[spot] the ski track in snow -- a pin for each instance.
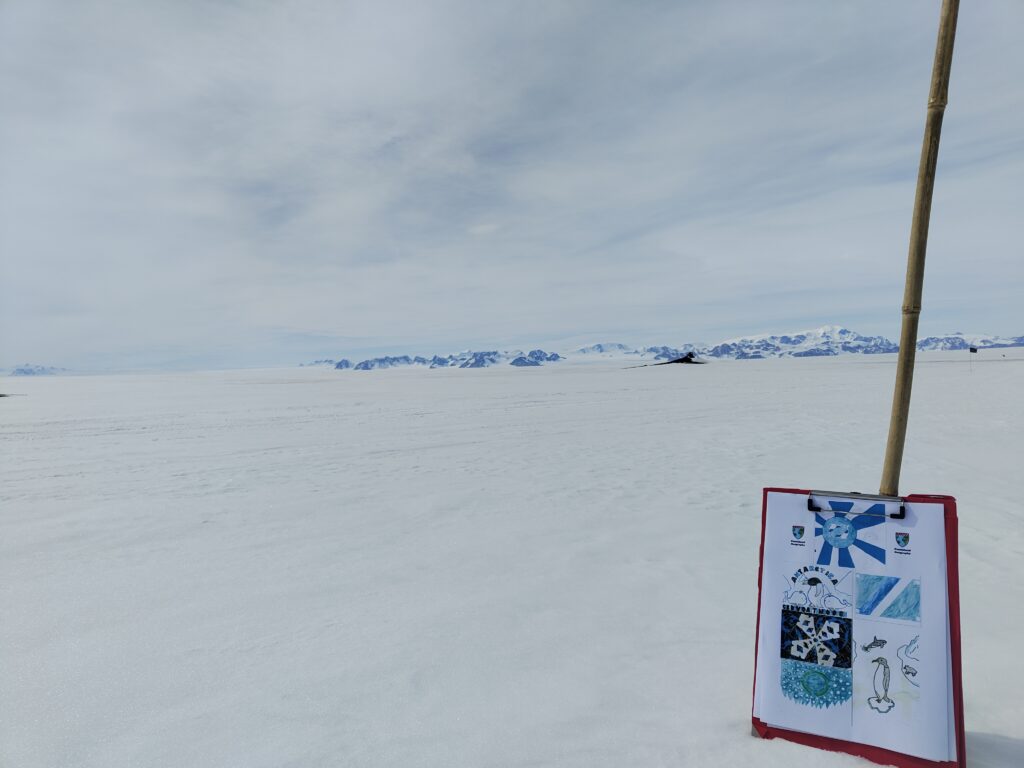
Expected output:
(497, 567)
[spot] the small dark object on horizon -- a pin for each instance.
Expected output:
(689, 358)
(974, 350)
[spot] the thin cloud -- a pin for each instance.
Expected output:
(262, 183)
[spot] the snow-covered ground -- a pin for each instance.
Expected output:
(499, 567)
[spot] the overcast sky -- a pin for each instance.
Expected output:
(190, 184)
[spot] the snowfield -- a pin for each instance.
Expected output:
(501, 567)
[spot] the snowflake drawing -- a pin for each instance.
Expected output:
(839, 533)
(823, 638)
(816, 658)
(815, 641)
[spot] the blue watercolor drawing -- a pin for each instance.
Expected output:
(907, 605)
(889, 597)
(872, 590)
(814, 685)
(839, 533)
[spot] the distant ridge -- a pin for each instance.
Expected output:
(958, 340)
(467, 359)
(27, 369)
(827, 341)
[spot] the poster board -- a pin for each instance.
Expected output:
(858, 628)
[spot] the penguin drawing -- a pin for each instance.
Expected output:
(881, 702)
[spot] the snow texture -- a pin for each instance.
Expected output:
(458, 567)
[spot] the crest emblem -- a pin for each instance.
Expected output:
(798, 531)
(902, 538)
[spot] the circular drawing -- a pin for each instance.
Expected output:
(815, 686)
(840, 532)
(815, 683)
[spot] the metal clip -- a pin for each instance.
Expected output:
(900, 515)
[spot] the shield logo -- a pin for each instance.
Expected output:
(798, 531)
(902, 539)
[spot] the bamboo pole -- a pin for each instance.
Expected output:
(918, 244)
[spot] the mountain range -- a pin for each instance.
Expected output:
(468, 359)
(957, 341)
(28, 369)
(826, 341)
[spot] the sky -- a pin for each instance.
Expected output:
(218, 184)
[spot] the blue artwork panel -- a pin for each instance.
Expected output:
(839, 534)
(816, 637)
(872, 590)
(816, 686)
(889, 597)
(907, 605)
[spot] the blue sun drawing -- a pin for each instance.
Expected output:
(839, 532)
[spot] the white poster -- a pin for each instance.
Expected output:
(853, 640)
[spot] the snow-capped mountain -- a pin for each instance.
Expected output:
(668, 353)
(389, 362)
(827, 341)
(957, 341)
(28, 369)
(536, 357)
(820, 342)
(605, 349)
(467, 359)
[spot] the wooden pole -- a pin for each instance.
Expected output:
(918, 244)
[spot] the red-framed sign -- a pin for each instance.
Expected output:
(858, 626)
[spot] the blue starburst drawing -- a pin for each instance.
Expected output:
(839, 532)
